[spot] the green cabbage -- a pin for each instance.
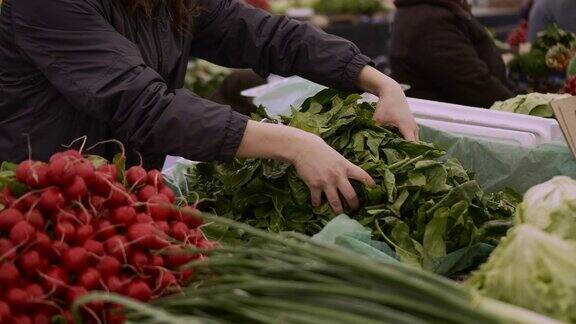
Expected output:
(551, 206)
(532, 269)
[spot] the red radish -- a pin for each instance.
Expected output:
(156, 261)
(72, 154)
(101, 185)
(159, 206)
(56, 156)
(167, 279)
(118, 195)
(97, 202)
(138, 259)
(105, 229)
(163, 226)
(139, 290)
(7, 250)
(10, 217)
(205, 245)
(192, 217)
(108, 266)
(43, 242)
(74, 293)
(61, 171)
(65, 231)
(17, 298)
(76, 190)
(38, 176)
(179, 231)
(147, 192)
(89, 279)
(114, 284)
(35, 219)
(55, 279)
(186, 275)
(41, 319)
(5, 312)
(144, 218)
(31, 263)
(83, 233)
(52, 199)
(8, 274)
(22, 232)
(136, 175)
(67, 215)
(59, 247)
(176, 256)
(117, 247)
(124, 215)
(25, 202)
(22, 319)
(75, 259)
(84, 216)
(169, 194)
(23, 170)
(94, 247)
(155, 179)
(35, 291)
(146, 236)
(85, 170)
(67, 315)
(110, 171)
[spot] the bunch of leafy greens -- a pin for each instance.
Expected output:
(534, 266)
(533, 269)
(535, 104)
(422, 206)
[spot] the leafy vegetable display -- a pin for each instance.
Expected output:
(78, 224)
(423, 206)
(535, 104)
(534, 265)
(289, 278)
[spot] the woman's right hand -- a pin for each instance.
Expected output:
(322, 168)
(326, 171)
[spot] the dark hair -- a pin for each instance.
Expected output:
(181, 11)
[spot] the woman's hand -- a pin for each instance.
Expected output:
(319, 165)
(326, 171)
(392, 108)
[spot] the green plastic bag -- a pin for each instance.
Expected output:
(349, 234)
(498, 166)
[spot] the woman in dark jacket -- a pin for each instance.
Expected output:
(115, 68)
(445, 54)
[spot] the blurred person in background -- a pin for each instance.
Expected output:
(443, 52)
(547, 12)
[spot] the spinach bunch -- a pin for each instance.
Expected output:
(423, 206)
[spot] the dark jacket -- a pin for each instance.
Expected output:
(445, 54)
(70, 68)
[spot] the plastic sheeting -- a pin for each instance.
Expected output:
(497, 166)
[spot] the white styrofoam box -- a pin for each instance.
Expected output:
(542, 130)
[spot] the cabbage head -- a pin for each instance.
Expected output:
(551, 206)
(532, 269)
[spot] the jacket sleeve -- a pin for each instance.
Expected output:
(450, 61)
(236, 35)
(103, 75)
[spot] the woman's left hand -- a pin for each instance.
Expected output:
(392, 108)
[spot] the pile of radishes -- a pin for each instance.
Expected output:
(79, 228)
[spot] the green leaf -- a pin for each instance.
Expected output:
(119, 162)
(434, 238)
(97, 161)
